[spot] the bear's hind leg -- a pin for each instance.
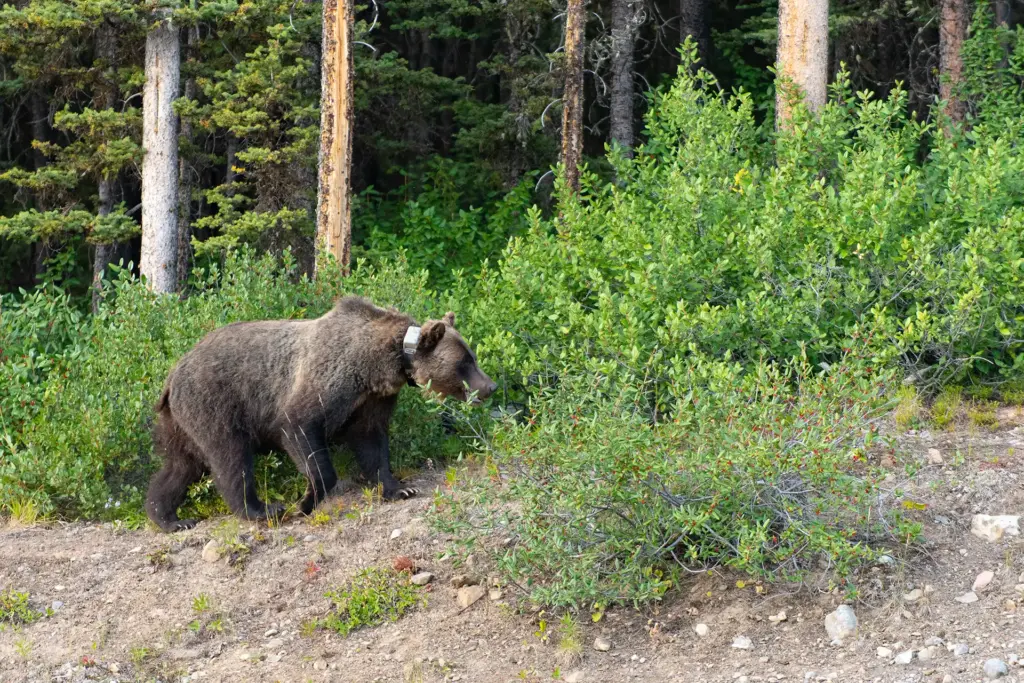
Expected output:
(307, 448)
(233, 474)
(168, 488)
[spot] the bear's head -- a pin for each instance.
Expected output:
(443, 359)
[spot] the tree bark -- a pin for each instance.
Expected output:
(802, 55)
(106, 96)
(185, 174)
(955, 18)
(625, 20)
(40, 131)
(693, 21)
(334, 206)
(159, 258)
(572, 95)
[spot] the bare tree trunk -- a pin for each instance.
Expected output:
(185, 175)
(802, 55)
(106, 96)
(953, 25)
(693, 21)
(625, 20)
(334, 206)
(159, 259)
(40, 131)
(572, 96)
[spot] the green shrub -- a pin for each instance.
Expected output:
(763, 471)
(15, 609)
(375, 595)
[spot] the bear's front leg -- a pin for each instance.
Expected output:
(370, 446)
(307, 448)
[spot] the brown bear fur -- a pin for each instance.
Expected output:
(297, 385)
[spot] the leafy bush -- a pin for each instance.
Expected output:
(375, 595)
(15, 609)
(84, 448)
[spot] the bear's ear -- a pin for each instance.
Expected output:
(430, 335)
(449, 318)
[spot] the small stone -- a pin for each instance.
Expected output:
(421, 579)
(56, 605)
(961, 650)
(702, 630)
(113, 668)
(993, 527)
(933, 641)
(494, 594)
(602, 644)
(995, 668)
(320, 665)
(136, 549)
(574, 677)
(982, 581)
(275, 644)
(934, 456)
(886, 560)
(244, 656)
(742, 643)
(914, 595)
(270, 632)
(948, 678)
(468, 595)
(1009, 605)
(777, 618)
(212, 551)
(841, 624)
(968, 598)
(395, 534)
(58, 588)
(275, 658)
(883, 652)
(927, 654)
(309, 538)
(460, 580)
(1013, 659)
(905, 657)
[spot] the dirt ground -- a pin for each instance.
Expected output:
(124, 600)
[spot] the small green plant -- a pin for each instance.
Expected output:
(375, 595)
(201, 603)
(908, 409)
(139, 654)
(946, 406)
(320, 517)
(23, 647)
(24, 513)
(160, 558)
(570, 641)
(983, 414)
(15, 609)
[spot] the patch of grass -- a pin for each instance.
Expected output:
(374, 596)
(908, 411)
(139, 654)
(24, 513)
(983, 414)
(320, 517)
(570, 641)
(160, 558)
(23, 647)
(946, 406)
(201, 603)
(15, 610)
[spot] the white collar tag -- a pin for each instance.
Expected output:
(412, 338)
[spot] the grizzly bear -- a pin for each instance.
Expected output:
(298, 385)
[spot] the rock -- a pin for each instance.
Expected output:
(602, 644)
(905, 657)
(995, 668)
(58, 588)
(212, 551)
(886, 560)
(742, 643)
(927, 654)
(468, 595)
(968, 598)
(993, 527)
(245, 655)
(934, 456)
(883, 653)
(777, 618)
(982, 581)
(395, 534)
(841, 624)
(460, 580)
(702, 630)
(914, 595)
(275, 644)
(948, 678)
(56, 605)
(574, 677)
(275, 658)
(1013, 659)
(421, 579)
(309, 538)
(270, 632)
(320, 665)
(961, 650)
(933, 641)
(1009, 605)
(494, 594)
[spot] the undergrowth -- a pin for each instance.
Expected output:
(374, 596)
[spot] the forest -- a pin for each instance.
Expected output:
(698, 286)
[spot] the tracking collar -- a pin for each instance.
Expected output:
(412, 338)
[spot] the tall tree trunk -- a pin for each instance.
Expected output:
(185, 173)
(802, 55)
(40, 126)
(106, 97)
(572, 95)
(159, 259)
(693, 21)
(625, 19)
(953, 25)
(334, 206)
